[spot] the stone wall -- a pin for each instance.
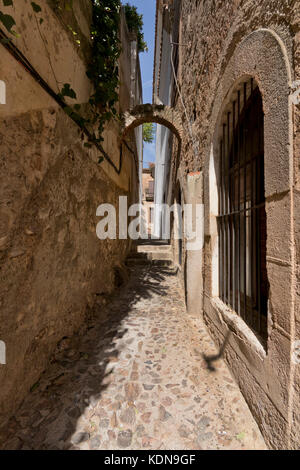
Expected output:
(52, 265)
(220, 43)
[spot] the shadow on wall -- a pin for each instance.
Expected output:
(78, 375)
(215, 357)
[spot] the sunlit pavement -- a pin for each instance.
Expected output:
(136, 380)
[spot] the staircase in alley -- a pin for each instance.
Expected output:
(157, 253)
(137, 379)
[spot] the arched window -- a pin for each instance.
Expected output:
(243, 282)
(2, 92)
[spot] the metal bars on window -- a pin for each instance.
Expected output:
(243, 283)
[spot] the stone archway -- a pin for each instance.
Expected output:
(263, 57)
(160, 114)
(164, 115)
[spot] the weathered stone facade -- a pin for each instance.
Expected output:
(160, 114)
(219, 46)
(53, 267)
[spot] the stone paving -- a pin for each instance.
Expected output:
(136, 380)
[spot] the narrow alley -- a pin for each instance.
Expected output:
(149, 226)
(137, 380)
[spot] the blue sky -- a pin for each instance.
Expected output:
(147, 9)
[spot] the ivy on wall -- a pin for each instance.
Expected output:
(7, 20)
(135, 24)
(102, 69)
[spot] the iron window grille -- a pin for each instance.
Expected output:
(243, 282)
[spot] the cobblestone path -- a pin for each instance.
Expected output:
(136, 380)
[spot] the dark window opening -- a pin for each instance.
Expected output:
(243, 282)
(180, 234)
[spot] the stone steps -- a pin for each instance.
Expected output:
(130, 262)
(153, 248)
(155, 255)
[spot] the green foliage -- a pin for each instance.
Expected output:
(62, 5)
(135, 24)
(68, 91)
(36, 8)
(7, 20)
(149, 132)
(69, 5)
(103, 69)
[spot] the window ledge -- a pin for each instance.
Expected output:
(237, 325)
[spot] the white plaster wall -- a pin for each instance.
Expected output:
(163, 148)
(139, 145)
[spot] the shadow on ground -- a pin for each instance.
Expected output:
(77, 375)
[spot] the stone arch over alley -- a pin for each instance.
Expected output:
(167, 118)
(184, 336)
(160, 114)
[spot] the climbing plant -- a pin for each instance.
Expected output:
(102, 69)
(135, 24)
(7, 20)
